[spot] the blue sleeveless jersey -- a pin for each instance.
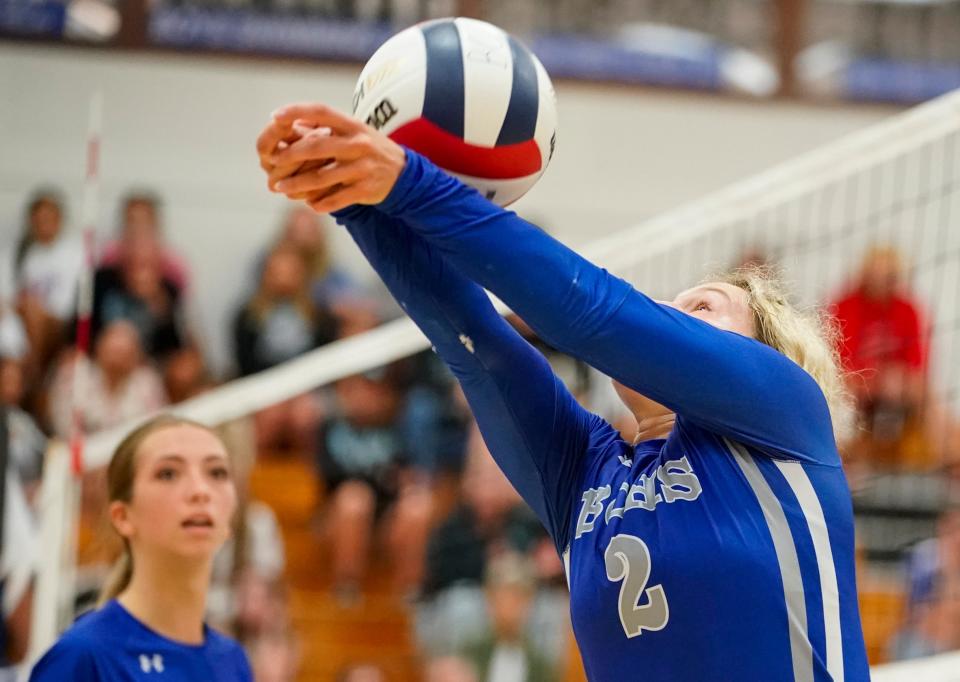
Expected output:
(110, 645)
(725, 552)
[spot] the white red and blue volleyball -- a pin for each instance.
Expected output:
(468, 96)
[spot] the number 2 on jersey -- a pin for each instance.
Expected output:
(628, 559)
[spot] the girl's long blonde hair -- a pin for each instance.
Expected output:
(806, 336)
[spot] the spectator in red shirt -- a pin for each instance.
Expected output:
(883, 344)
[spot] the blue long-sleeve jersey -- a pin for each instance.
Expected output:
(110, 645)
(724, 552)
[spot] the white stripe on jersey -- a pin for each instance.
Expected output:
(801, 651)
(566, 564)
(813, 513)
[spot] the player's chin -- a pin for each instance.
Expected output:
(199, 545)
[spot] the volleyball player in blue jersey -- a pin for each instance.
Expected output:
(172, 500)
(718, 545)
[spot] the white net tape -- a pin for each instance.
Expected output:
(943, 668)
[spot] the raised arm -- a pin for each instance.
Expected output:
(727, 383)
(724, 381)
(534, 428)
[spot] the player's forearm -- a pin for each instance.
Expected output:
(721, 379)
(564, 297)
(448, 308)
(510, 386)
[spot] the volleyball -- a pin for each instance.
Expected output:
(467, 95)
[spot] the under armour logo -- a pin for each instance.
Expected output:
(150, 664)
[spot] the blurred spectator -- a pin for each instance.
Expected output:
(436, 417)
(490, 518)
(362, 458)
(936, 559)
(275, 657)
(186, 375)
(140, 223)
(362, 672)
(18, 556)
(27, 443)
(260, 604)
(451, 669)
(38, 279)
(883, 345)
(933, 583)
(119, 384)
(935, 628)
(951, 467)
(245, 596)
(13, 337)
(136, 290)
(331, 287)
(280, 321)
(504, 654)
(277, 324)
(549, 629)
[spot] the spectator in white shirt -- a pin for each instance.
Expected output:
(120, 385)
(39, 276)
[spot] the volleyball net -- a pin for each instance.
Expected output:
(896, 184)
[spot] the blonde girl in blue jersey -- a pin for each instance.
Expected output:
(171, 500)
(718, 545)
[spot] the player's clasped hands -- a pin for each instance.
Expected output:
(314, 153)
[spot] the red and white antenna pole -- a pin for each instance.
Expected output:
(91, 196)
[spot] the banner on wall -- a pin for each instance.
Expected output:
(639, 53)
(303, 36)
(79, 20)
(33, 18)
(646, 54)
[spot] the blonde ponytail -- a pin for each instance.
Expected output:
(119, 579)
